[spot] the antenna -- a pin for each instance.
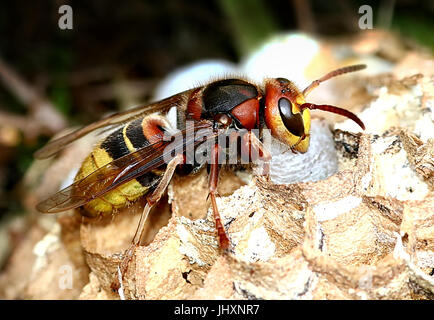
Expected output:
(333, 109)
(333, 74)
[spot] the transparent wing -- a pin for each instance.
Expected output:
(124, 169)
(112, 121)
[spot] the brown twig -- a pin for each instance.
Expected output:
(137, 89)
(30, 128)
(40, 108)
(305, 20)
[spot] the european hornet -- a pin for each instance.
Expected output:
(129, 162)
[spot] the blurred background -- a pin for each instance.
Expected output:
(118, 52)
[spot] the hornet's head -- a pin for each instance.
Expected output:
(287, 114)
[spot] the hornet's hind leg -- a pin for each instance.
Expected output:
(152, 199)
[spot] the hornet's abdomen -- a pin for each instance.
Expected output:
(122, 141)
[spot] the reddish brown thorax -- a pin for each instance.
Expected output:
(247, 113)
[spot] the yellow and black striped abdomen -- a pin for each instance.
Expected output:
(123, 141)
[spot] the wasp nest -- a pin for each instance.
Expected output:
(363, 228)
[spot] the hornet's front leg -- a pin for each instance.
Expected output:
(254, 148)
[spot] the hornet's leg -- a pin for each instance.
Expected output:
(212, 186)
(254, 147)
(155, 196)
(151, 201)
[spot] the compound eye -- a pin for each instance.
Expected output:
(292, 121)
